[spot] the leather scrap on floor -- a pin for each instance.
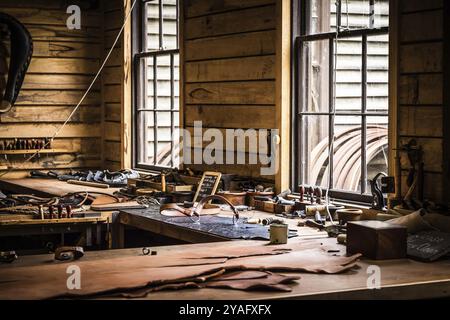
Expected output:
(169, 271)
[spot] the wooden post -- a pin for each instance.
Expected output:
(126, 111)
(283, 92)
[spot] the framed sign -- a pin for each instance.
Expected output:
(208, 185)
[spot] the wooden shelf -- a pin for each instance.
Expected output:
(31, 151)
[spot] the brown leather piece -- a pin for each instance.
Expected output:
(237, 280)
(253, 280)
(126, 274)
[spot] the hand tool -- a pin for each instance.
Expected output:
(268, 221)
(60, 212)
(318, 194)
(301, 190)
(69, 211)
(378, 202)
(69, 253)
(310, 191)
(7, 256)
(147, 252)
(253, 221)
(89, 184)
(41, 212)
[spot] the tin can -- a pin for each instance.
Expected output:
(278, 233)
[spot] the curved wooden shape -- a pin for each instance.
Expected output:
(347, 155)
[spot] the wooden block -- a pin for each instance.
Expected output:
(259, 205)
(283, 208)
(376, 240)
(269, 206)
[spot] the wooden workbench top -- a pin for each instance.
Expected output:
(47, 187)
(400, 279)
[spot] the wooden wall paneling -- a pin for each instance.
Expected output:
(63, 64)
(236, 45)
(197, 8)
(229, 72)
(253, 92)
(246, 20)
(248, 68)
(231, 116)
(113, 85)
(421, 90)
(446, 111)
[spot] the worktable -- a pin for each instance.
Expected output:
(143, 220)
(11, 225)
(400, 279)
(46, 187)
(14, 225)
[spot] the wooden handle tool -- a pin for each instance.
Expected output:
(89, 184)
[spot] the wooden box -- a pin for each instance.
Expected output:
(269, 206)
(284, 208)
(376, 240)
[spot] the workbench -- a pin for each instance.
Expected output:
(400, 279)
(91, 228)
(46, 187)
(143, 220)
(21, 225)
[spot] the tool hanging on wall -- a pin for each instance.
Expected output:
(415, 179)
(25, 144)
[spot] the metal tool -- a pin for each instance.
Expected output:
(8, 256)
(69, 253)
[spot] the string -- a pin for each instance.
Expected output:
(127, 17)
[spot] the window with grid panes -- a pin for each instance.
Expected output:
(342, 60)
(156, 75)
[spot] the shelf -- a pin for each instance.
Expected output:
(32, 151)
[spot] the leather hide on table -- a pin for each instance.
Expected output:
(137, 275)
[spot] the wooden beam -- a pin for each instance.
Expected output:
(283, 93)
(446, 111)
(127, 105)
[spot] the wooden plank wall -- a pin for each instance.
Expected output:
(420, 90)
(229, 60)
(112, 86)
(63, 64)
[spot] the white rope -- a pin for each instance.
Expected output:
(127, 17)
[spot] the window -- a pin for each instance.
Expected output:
(342, 53)
(156, 85)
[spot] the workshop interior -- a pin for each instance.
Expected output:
(224, 149)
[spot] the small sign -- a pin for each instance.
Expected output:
(208, 185)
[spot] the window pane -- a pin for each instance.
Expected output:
(378, 73)
(158, 124)
(377, 147)
(145, 137)
(354, 14)
(347, 153)
(168, 25)
(349, 74)
(381, 18)
(315, 150)
(316, 91)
